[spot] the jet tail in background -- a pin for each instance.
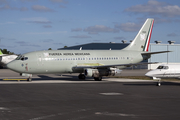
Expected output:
(142, 40)
(1, 54)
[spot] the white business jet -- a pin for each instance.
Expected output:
(165, 71)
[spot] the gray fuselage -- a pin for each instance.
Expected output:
(63, 61)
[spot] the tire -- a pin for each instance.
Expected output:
(98, 78)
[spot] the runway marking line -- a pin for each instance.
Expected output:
(111, 93)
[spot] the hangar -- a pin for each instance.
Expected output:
(172, 57)
(163, 58)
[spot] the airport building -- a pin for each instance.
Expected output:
(172, 57)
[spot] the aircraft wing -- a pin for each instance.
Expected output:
(149, 53)
(108, 66)
(6, 54)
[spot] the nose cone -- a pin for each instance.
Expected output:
(149, 74)
(12, 66)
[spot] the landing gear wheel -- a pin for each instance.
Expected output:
(159, 82)
(98, 78)
(82, 77)
(29, 79)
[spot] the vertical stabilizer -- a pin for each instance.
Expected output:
(142, 39)
(1, 52)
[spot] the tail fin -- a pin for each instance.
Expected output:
(1, 52)
(142, 39)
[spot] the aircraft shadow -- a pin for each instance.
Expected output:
(61, 77)
(153, 83)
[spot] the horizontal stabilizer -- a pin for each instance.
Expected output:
(150, 53)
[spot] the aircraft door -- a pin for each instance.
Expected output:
(39, 59)
(172, 73)
(166, 74)
(86, 59)
(131, 57)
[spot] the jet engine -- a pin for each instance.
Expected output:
(102, 72)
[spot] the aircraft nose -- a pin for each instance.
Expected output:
(11, 65)
(149, 74)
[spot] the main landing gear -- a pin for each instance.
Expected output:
(98, 78)
(82, 76)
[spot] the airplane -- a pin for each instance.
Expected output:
(89, 63)
(5, 58)
(164, 71)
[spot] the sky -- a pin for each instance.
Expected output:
(33, 25)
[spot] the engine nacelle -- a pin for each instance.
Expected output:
(102, 72)
(91, 72)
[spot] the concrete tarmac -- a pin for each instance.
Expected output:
(50, 97)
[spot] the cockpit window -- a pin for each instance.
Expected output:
(163, 67)
(25, 58)
(21, 58)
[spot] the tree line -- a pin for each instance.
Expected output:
(5, 51)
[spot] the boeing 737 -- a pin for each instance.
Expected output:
(89, 63)
(164, 71)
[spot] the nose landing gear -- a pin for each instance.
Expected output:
(29, 79)
(27, 75)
